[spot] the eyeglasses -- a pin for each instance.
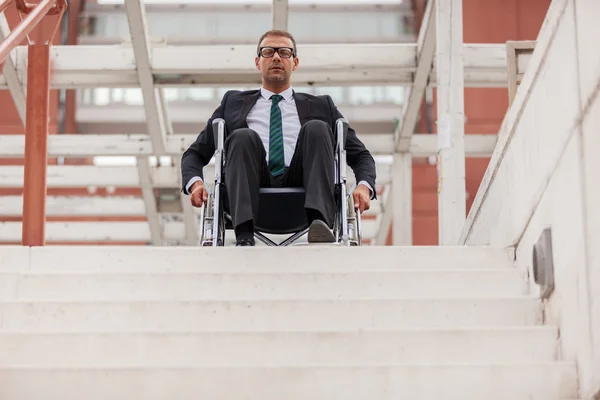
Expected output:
(268, 52)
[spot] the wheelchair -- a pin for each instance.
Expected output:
(281, 210)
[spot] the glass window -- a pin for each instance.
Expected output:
(134, 97)
(239, 25)
(361, 95)
(304, 89)
(118, 95)
(395, 94)
(198, 94)
(101, 96)
(336, 93)
(85, 96)
(172, 94)
(112, 25)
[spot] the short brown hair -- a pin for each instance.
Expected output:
(276, 32)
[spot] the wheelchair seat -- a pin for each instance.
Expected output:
(281, 211)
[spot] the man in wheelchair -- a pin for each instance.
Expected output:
(280, 161)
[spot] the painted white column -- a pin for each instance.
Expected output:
(280, 14)
(450, 120)
(402, 195)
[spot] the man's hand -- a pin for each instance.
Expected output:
(362, 198)
(199, 194)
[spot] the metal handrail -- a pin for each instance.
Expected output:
(35, 13)
(4, 4)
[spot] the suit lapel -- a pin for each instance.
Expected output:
(303, 107)
(247, 105)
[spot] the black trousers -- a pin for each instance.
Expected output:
(311, 167)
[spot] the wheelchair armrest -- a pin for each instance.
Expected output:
(341, 132)
(218, 126)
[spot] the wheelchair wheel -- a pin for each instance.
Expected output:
(354, 223)
(212, 228)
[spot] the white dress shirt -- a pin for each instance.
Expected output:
(259, 119)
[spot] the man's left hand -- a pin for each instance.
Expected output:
(362, 198)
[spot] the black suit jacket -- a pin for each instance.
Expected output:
(234, 109)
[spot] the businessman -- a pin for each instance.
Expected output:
(276, 137)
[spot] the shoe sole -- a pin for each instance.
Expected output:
(320, 233)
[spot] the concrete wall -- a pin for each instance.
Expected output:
(544, 174)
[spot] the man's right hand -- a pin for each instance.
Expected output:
(199, 194)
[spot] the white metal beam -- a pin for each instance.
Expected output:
(189, 216)
(425, 52)
(89, 206)
(110, 206)
(136, 15)
(386, 217)
(330, 65)
(450, 121)
(401, 188)
(173, 231)
(165, 176)
(396, 211)
(145, 177)
(167, 122)
(422, 145)
(279, 14)
(11, 77)
(198, 112)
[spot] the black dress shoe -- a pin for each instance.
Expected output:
(319, 232)
(245, 242)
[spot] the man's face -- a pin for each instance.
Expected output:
(276, 69)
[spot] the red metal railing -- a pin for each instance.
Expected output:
(35, 13)
(37, 110)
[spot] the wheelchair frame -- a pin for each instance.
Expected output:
(347, 227)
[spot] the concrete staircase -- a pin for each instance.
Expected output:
(298, 323)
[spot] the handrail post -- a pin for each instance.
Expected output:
(4, 4)
(37, 111)
(36, 147)
(35, 15)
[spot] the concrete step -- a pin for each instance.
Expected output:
(178, 316)
(197, 259)
(276, 348)
(541, 381)
(284, 285)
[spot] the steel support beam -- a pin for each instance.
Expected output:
(108, 207)
(426, 52)
(173, 231)
(450, 121)
(386, 217)
(165, 176)
(155, 110)
(145, 176)
(279, 14)
(402, 194)
(218, 65)
(422, 145)
(36, 146)
(138, 28)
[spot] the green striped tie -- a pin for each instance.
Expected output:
(276, 155)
